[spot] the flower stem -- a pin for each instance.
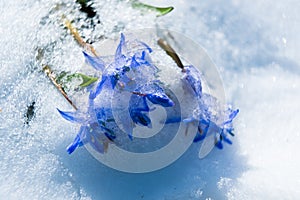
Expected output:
(78, 38)
(171, 52)
(49, 73)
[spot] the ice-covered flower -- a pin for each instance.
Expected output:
(221, 130)
(130, 70)
(211, 119)
(138, 106)
(193, 79)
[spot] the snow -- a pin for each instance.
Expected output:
(255, 46)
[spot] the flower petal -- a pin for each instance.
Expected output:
(219, 144)
(77, 141)
(71, 148)
(75, 117)
(134, 63)
(228, 141)
(114, 80)
(161, 99)
(140, 118)
(202, 132)
(194, 80)
(189, 120)
(138, 103)
(111, 137)
(130, 136)
(145, 45)
(96, 92)
(175, 119)
(232, 115)
(119, 57)
(95, 62)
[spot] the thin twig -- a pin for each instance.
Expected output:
(171, 52)
(78, 38)
(48, 72)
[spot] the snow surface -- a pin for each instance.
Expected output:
(255, 45)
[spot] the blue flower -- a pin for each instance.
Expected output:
(221, 131)
(138, 110)
(193, 79)
(208, 122)
(95, 62)
(138, 106)
(131, 70)
(159, 97)
(128, 70)
(75, 117)
(77, 141)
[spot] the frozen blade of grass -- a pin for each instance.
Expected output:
(171, 52)
(78, 38)
(48, 72)
(65, 78)
(159, 10)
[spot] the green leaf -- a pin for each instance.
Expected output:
(60, 78)
(64, 78)
(87, 80)
(159, 10)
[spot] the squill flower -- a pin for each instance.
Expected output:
(216, 122)
(128, 71)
